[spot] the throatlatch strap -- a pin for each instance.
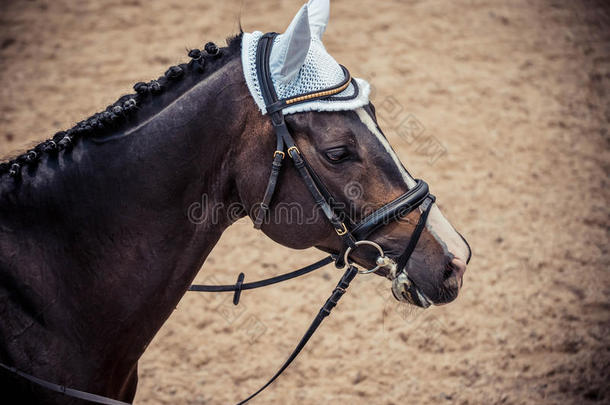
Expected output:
(278, 158)
(330, 303)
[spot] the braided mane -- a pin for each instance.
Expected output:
(122, 111)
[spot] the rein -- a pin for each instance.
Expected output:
(352, 236)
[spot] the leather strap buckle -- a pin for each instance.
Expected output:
(341, 231)
(280, 153)
(294, 148)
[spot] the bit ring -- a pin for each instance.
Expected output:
(381, 262)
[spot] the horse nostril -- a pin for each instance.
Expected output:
(453, 279)
(449, 271)
(458, 269)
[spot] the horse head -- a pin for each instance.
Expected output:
(300, 89)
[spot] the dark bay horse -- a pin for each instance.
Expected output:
(96, 244)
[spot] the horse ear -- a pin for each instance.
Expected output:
(319, 12)
(289, 53)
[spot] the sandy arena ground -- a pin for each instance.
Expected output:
(508, 111)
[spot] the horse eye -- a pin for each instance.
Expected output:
(336, 155)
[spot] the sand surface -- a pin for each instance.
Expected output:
(515, 94)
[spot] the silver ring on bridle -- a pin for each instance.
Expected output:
(382, 260)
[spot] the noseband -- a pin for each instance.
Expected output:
(352, 236)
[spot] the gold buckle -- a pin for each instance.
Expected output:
(295, 149)
(279, 152)
(342, 231)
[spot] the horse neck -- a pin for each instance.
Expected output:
(104, 244)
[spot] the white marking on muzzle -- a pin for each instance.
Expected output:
(370, 124)
(437, 224)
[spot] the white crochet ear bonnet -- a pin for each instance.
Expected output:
(299, 64)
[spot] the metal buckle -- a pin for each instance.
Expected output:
(341, 231)
(382, 261)
(295, 149)
(279, 152)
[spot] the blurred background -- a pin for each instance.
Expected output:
(502, 107)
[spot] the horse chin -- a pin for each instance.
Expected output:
(445, 294)
(424, 294)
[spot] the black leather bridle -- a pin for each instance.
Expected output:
(418, 196)
(352, 236)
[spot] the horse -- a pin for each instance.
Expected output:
(97, 246)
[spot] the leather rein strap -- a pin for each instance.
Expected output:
(330, 303)
(239, 286)
(98, 399)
